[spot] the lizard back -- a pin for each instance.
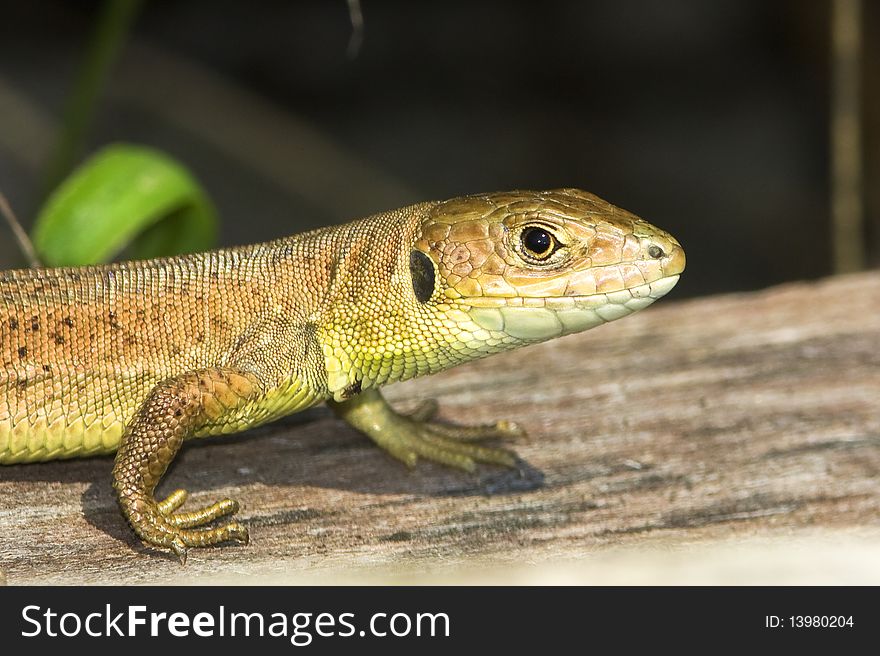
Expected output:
(81, 347)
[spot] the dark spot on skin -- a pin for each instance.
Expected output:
(22, 384)
(35, 324)
(22, 352)
(240, 341)
(352, 390)
(67, 321)
(13, 324)
(73, 276)
(178, 412)
(112, 317)
(200, 337)
(214, 275)
(47, 368)
(422, 269)
(330, 268)
(59, 339)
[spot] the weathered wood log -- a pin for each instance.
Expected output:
(717, 419)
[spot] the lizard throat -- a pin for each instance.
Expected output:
(538, 319)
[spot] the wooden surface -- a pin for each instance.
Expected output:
(717, 431)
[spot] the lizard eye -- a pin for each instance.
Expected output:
(655, 251)
(538, 243)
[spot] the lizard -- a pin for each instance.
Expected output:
(136, 357)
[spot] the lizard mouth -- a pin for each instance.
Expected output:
(540, 318)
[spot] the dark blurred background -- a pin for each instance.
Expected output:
(709, 118)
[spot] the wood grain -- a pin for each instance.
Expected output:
(752, 417)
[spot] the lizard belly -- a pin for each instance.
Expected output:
(94, 424)
(54, 417)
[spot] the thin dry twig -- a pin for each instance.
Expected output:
(357, 28)
(24, 242)
(847, 167)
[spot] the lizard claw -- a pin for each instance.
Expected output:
(180, 550)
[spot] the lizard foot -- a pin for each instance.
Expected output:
(448, 445)
(413, 436)
(159, 525)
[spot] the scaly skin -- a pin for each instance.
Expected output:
(136, 357)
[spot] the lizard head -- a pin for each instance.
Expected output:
(529, 266)
(483, 274)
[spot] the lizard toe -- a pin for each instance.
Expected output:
(203, 516)
(173, 501)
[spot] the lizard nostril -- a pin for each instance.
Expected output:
(655, 251)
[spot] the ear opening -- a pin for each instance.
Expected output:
(423, 276)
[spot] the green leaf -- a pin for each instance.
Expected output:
(124, 197)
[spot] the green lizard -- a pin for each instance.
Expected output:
(136, 357)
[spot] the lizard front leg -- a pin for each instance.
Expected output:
(409, 437)
(176, 409)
